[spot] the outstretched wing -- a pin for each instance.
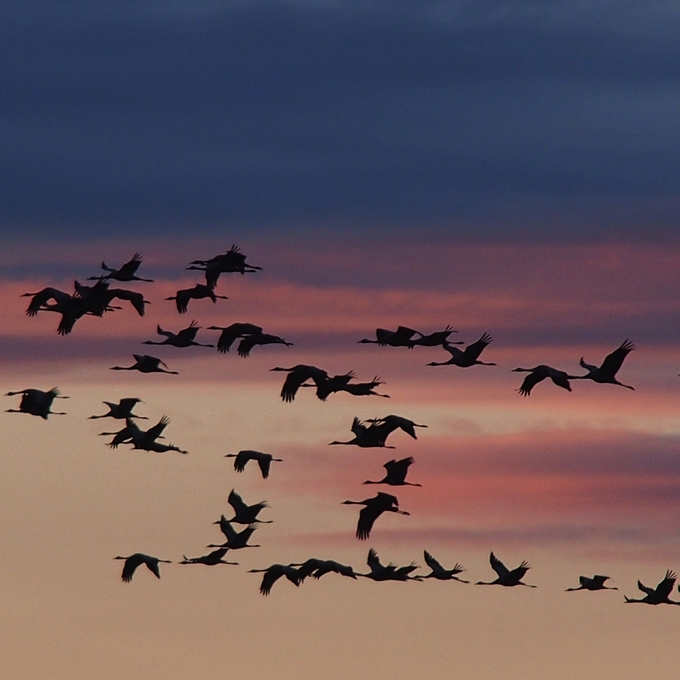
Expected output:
(612, 362)
(431, 562)
(476, 348)
(498, 566)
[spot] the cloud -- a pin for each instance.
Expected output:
(152, 116)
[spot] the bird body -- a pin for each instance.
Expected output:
(254, 339)
(215, 557)
(373, 508)
(606, 373)
(660, 594)
(438, 572)
(36, 402)
(199, 292)
(273, 573)
(435, 339)
(539, 373)
(375, 434)
(134, 561)
(126, 273)
(296, 376)
(232, 261)
(467, 357)
(184, 338)
(402, 337)
(235, 539)
(396, 473)
(507, 577)
(264, 460)
(390, 572)
(243, 513)
(145, 363)
(231, 333)
(122, 410)
(596, 582)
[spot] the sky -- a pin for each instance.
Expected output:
(497, 167)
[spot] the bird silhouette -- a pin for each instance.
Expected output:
(231, 333)
(233, 261)
(297, 375)
(123, 435)
(373, 508)
(126, 273)
(215, 557)
(607, 371)
(660, 594)
(121, 410)
(146, 440)
(134, 561)
(396, 473)
(342, 383)
(466, 357)
(184, 338)
(438, 572)
(402, 337)
(390, 572)
(317, 568)
(199, 292)
(36, 402)
(507, 577)
(243, 513)
(375, 435)
(596, 582)
(254, 339)
(144, 363)
(539, 373)
(435, 339)
(235, 539)
(264, 460)
(273, 573)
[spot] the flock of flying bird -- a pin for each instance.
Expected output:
(98, 299)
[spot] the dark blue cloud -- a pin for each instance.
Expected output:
(512, 116)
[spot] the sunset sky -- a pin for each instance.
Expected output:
(508, 168)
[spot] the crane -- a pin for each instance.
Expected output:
(145, 363)
(373, 508)
(539, 373)
(137, 559)
(660, 594)
(507, 577)
(606, 373)
(396, 473)
(596, 582)
(122, 410)
(264, 460)
(466, 357)
(183, 338)
(439, 572)
(36, 402)
(199, 292)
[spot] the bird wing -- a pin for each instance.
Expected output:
(612, 362)
(264, 462)
(398, 469)
(236, 502)
(645, 589)
(367, 517)
(188, 333)
(182, 300)
(299, 375)
(271, 576)
(518, 572)
(152, 565)
(476, 348)
(373, 561)
(530, 382)
(136, 299)
(130, 566)
(156, 431)
(431, 562)
(247, 344)
(498, 566)
(131, 266)
(665, 588)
